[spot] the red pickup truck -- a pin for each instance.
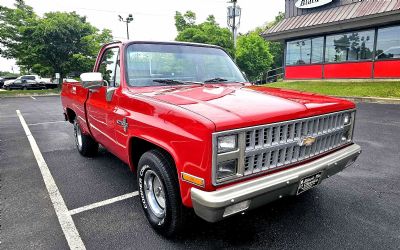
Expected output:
(199, 135)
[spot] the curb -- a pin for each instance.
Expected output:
(371, 99)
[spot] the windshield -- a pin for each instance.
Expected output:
(153, 64)
(28, 77)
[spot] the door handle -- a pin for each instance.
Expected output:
(93, 90)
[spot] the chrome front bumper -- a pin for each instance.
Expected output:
(211, 206)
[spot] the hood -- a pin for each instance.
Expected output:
(235, 106)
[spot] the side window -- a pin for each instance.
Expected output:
(17, 82)
(109, 66)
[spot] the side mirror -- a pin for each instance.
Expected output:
(92, 80)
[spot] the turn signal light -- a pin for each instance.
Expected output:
(193, 179)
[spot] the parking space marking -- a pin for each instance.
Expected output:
(43, 123)
(33, 98)
(103, 203)
(67, 224)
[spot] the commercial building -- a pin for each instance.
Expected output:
(336, 39)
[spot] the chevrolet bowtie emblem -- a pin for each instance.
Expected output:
(307, 141)
(124, 124)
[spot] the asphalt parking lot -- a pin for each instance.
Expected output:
(358, 208)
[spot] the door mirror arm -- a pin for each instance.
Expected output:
(110, 93)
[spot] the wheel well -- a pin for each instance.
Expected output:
(71, 115)
(140, 146)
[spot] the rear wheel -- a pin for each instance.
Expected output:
(24, 88)
(159, 192)
(85, 144)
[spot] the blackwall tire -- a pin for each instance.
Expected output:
(85, 144)
(156, 165)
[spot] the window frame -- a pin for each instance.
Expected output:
(117, 62)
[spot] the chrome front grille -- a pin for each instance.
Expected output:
(276, 145)
(265, 148)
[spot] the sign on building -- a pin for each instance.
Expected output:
(308, 4)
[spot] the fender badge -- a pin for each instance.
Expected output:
(124, 124)
(307, 141)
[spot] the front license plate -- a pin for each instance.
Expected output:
(309, 182)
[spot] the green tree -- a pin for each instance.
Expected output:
(276, 48)
(208, 32)
(252, 55)
(59, 42)
(183, 21)
(14, 32)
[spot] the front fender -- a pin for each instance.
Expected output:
(183, 134)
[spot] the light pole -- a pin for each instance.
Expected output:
(127, 21)
(233, 18)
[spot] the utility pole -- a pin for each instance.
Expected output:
(234, 15)
(127, 21)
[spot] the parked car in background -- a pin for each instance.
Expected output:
(24, 85)
(35, 78)
(5, 79)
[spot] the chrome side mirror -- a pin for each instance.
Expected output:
(92, 80)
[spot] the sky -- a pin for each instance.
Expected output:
(153, 19)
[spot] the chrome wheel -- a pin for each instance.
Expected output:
(154, 192)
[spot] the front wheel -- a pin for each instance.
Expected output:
(85, 144)
(159, 193)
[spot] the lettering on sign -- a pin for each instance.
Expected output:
(308, 4)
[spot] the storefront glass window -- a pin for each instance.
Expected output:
(354, 46)
(388, 45)
(305, 51)
(317, 46)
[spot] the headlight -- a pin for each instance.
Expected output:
(226, 169)
(227, 143)
(346, 136)
(347, 119)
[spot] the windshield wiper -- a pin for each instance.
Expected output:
(217, 79)
(168, 81)
(172, 81)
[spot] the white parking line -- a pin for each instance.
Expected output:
(67, 224)
(103, 203)
(33, 98)
(43, 123)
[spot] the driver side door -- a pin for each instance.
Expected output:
(100, 111)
